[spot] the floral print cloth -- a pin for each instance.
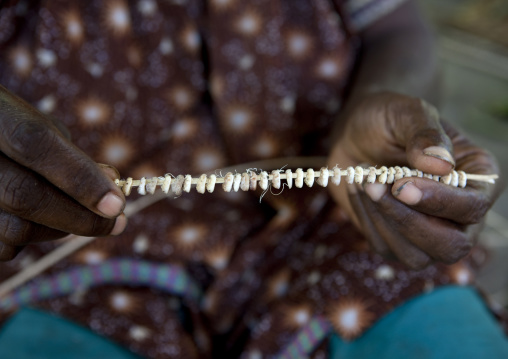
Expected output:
(190, 86)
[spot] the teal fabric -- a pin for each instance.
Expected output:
(450, 322)
(33, 334)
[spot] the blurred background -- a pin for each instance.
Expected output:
(472, 38)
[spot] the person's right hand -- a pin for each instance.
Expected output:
(48, 187)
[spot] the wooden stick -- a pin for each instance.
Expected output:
(358, 174)
(72, 244)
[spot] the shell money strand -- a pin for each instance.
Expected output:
(250, 179)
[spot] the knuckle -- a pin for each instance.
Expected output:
(416, 261)
(406, 220)
(13, 229)
(30, 140)
(96, 226)
(430, 110)
(477, 210)
(7, 252)
(380, 248)
(100, 226)
(403, 104)
(438, 204)
(457, 247)
(18, 197)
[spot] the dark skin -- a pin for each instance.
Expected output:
(49, 188)
(417, 221)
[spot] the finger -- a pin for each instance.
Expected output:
(109, 171)
(417, 128)
(473, 159)
(16, 231)
(27, 195)
(30, 139)
(8, 252)
(461, 205)
(388, 229)
(441, 239)
(60, 126)
(366, 225)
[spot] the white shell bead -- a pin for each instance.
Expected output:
(228, 182)
(263, 181)
(201, 185)
(324, 175)
(141, 187)
(210, 183)
(289, 178)
(152, 185)
(166, 183)
(276, 179)
(299, 178)
(309, 177)
(236, 182)
(336, 176)
(244, 184)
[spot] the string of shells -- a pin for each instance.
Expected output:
(250, 179)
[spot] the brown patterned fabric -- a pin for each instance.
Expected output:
(190, 86)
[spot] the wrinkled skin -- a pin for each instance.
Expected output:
(48, 187)
(416, 220)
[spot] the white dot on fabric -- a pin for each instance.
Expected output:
(249, 23)
(147, 7)
(93, 257)
(120, 301)
(189, 235)
(301, 317)
(166, 46)
(287, 104)
(384, 272)
(328, 68)
(246, 62)
(462, 276)
(47, 104)
(74, 28)
(116, 150)
(191, 39)
(208, 161)
(349, 319)
(254, 354)
(95, 69)
(239, 119)
(141, 244)
(313, 277)
(120, 18)
(21, 60)
(298, 45)
(47, 58)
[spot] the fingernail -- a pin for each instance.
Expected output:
(110, 171)
(375, 191)
(120, 224)
(439, 153)
(351, 188)
(408, 193)
(110, 205)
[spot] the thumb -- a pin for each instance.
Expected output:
(428, 147)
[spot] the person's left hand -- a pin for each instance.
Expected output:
(417, 220)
